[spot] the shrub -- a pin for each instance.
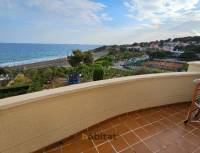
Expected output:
(189, 56)
(159, 54)
(184, 68)
(113, 73)
(30, 73)
(47, 75)
(36, 83)
(59, 71)
(2, 71)
(104, 61)
(20, 79)
(35, 86)
(86, 72)
(98, 74)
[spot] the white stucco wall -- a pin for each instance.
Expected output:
(32, 121)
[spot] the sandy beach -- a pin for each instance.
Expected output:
(56, 62)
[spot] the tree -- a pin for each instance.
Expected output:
(189, 56)
(36, 82)
(47, 75)
(161, 43)
(98, 73)
(193, 48)
(87, 58)
(76, 58)
(2, 71)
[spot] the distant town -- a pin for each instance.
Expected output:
(169, 54)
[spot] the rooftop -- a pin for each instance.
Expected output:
(154, 130)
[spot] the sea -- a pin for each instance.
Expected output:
(13, 54)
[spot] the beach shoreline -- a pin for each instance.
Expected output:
(60, 62)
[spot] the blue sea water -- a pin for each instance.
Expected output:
(12, 54)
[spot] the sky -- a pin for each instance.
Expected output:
(97, 21)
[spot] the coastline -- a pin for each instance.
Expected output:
(59, 62)
(43, 64)
(19, 55)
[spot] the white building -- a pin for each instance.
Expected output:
(139, 48)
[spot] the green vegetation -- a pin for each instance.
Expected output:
(98, 73)
(187, 39)
(146, 70)
(36, 79)
(189, 48)
(105, 61)
(184, 68)
(87, 58)
(75, 59)
(159, 54)
(123, 53)
(194, 48)
(79, 57)
(36, 82)
(13, 91)
(86, 72)
(47, 75)
(189, 56)
(2, 71)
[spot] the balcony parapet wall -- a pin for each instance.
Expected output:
(32, 121)
(194, 66)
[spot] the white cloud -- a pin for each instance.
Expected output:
(82, 21)
(162, 19)
(75, 11)
(158, 11)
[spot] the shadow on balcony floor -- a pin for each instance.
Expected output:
(155, 130)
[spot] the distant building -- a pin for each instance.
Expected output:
(135, 48)
(154, 45)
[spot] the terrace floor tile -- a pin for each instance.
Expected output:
(154, 130)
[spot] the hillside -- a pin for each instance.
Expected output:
(178, 49)
(182, 44)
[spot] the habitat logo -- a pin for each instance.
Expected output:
(98, 136)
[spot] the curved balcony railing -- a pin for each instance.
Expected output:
(32, 121)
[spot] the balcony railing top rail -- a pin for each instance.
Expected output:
(50, 93)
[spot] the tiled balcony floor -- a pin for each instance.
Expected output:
(156, 130)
